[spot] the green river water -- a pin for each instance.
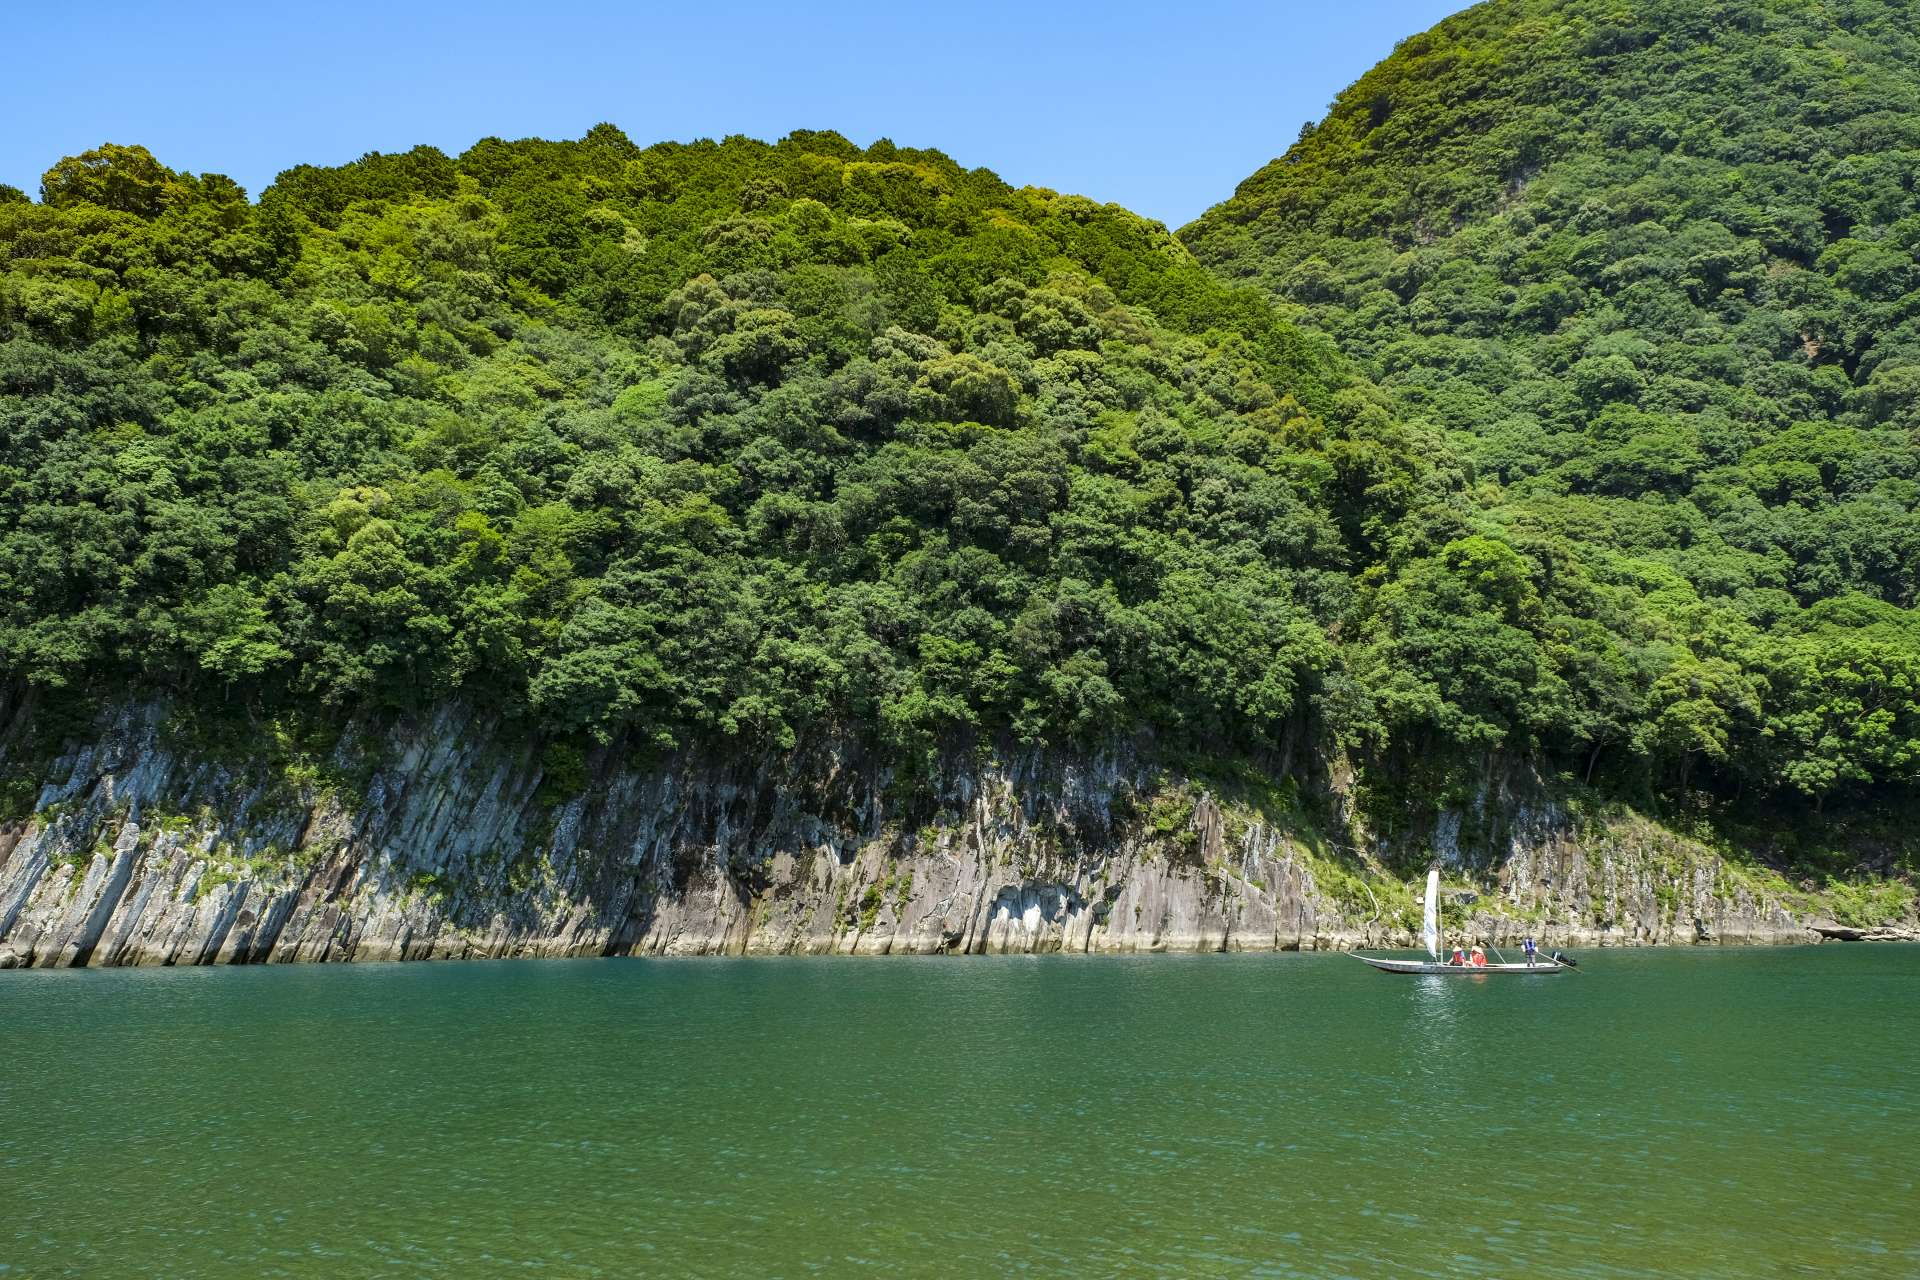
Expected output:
(1697, 1113)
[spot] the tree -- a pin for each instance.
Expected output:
(125, 179)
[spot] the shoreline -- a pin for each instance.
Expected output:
(1825, 934)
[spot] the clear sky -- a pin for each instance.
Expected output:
(1162, 108)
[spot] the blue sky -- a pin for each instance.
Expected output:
(1162, 108)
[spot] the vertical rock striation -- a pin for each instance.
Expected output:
(141, 852)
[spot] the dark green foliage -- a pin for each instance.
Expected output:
(708, 444)
(1653, 271)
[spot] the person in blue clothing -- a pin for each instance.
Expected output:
(1526, 944)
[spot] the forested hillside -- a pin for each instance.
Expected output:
(726, 443)
(1653, 269)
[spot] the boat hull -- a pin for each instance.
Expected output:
(1540, 967)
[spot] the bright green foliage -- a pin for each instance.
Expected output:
(719, 443)
(737, 445)
(1653, 270)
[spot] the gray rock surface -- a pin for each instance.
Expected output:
(1867, 933)
(141, 852)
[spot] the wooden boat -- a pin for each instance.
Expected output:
(1430, 934)
(1543, 965)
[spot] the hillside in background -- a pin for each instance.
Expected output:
(1651, 269)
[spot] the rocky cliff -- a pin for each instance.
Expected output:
(445, 839)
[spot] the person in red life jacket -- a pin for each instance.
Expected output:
(1459, 957)
(1479, 957)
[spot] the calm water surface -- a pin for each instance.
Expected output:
(1695, 1113)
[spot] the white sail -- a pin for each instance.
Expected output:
(1430, 927)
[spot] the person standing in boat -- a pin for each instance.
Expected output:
(1526, 945)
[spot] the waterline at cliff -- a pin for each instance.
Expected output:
(140, 852)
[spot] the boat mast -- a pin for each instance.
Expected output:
(1430, 922)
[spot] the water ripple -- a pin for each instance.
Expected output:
(1698, 1114)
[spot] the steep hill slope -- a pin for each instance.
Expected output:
(1654, 270)
(574, 547)
(697, 443)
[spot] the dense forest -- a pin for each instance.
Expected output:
(1653, 272)
(695, 443)
(1552, 402)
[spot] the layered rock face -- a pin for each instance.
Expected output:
(140, 852)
